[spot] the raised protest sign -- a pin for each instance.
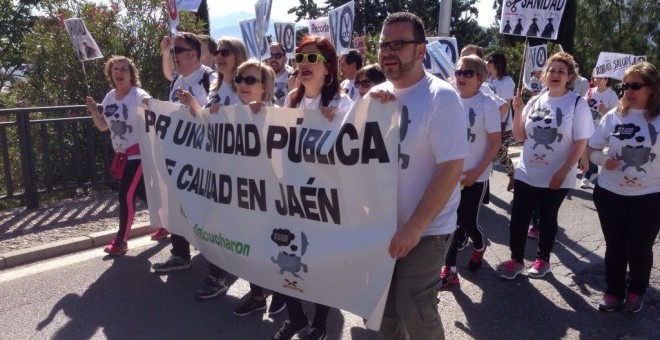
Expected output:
(613, 65)
(172, 14)
(535, 60)
(262, 11)
(285, 34)
(341, 26)
(319, 27)
(525, 18)
(251, 40)
(283, 198)
(188, 5)
(437, 61)
(85, 46)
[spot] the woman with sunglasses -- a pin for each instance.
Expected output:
(368, 77)
(230, 53)
(601, 99)
(503, 86)
(120, 106)
(554, 127)
(316, 61)
(484, 139)
(627, 195)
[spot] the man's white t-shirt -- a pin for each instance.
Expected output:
(349, 88)
(224, 95)
(193, 83)
(636, 143)
(581, 86)
(594, 98)
(281, 88)
(121, 117)
(431, 132)
(483, 117)
(552, 124)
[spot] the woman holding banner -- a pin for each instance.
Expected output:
(554, 127)
(316, 60)
(503, 86)
(627, 195)
(484, 139)
(119, 115)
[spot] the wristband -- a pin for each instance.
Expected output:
(598, 157)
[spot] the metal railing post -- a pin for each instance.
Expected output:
(27, 159)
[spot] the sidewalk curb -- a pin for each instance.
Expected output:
(64, 247)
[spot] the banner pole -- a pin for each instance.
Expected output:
(85, 74)
(522, 66)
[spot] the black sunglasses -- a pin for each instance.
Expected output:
(178, 49)
(276, 55)
(632, 86)
(225, 52)
(464, 73)
(249, 80)
(363, 83)
(396, 44)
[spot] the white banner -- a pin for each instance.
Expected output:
(526, 17)
(85, 46)
(319, 27)
(172, 14)
(251, 41)
(613, 65)
(285, 34)
(341, 26)
(188, 5)
(284, 198)
(535, 60)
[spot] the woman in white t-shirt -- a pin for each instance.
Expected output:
(484, 139)
(316, 60)
(601, 99)
(503, 86)
(627, 195)
(119, 115)
(231, 52)
(554, 127)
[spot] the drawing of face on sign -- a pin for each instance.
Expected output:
(289, 260)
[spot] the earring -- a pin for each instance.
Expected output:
(331, 80)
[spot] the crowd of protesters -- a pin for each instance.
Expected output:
(563, 128)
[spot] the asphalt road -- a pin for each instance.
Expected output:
(88, 295)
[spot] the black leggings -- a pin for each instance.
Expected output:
(468, 212)
(296, 313)
(131, 186)
(525, 199)
(630, 225)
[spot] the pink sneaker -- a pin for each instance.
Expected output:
(511, 269)
(116, 248)
(539, 268)
(159, 234)
(609, 303)
(449, 277)
(533, 232)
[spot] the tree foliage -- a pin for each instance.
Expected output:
(133, 28)
(15, 21)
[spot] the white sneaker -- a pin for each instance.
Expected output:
(586, 184)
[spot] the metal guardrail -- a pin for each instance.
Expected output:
(50, 149)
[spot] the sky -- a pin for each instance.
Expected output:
(280, 7)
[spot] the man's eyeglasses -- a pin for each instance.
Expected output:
(632, 86)
(225, 52)
(276, 55)
(311, 58)
(464, 73)
(396, 44)
(366, 83)
(249, 80)
(178, 49)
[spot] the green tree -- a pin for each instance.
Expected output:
(15, 21)
(202, 16)
(133, 28)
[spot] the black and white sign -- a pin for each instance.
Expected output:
(249, 32)
(85, 46)
(262, 10)
(285, 34)
(341, 26)
(613, 65)
(535, 60)
(532, 18)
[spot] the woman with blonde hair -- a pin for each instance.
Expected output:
(627, 195)
(554, 128)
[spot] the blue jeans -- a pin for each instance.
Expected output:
(411, 311)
